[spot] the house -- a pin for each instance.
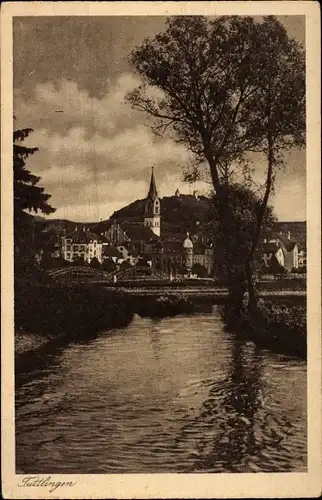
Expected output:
(167, 254)
(271, 250)
(130, 239)
(82, 244)
(129, 253)
(296, 231)
(111, 252)
(302, 257)
(203, 254)
(290, 250)
(175, 254)
(283, 248)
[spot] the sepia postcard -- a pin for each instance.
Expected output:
(161, 250)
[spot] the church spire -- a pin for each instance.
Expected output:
(152, 214)
(153, 194)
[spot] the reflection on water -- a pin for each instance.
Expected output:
(171, 395)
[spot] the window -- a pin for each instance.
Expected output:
(68, 248)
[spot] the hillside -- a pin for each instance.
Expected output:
(179, 214)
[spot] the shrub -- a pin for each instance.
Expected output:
(272, 325)
(199, 270)
(69, 310)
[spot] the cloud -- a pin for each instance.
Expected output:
(98, 153)
(96, 156)
(61, 106)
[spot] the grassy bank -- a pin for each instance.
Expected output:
(59, 310)
(282, 284)
(280, 327)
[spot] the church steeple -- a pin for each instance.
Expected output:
(152, 207)
(153, 194)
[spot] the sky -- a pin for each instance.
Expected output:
(96, 155)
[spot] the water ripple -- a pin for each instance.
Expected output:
(172, 395)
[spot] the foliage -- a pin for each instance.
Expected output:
(226, 88)
(199, 270)
(299, 270)
(142, 262)
(218, 85)
(272, 325)
(232, 250)
(125, 265)
(163, 306)
(178, 214)
(79, 261)
(181, 269)
(69, 311)
(275, 267)
(27, 194)
(95, 263)
(109, 265)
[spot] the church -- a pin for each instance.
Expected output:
(152, 214)
(170, 253)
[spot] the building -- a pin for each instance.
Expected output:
(81, 244)
(271, 250)
(187, 249)
(152, 212)
(116, 235)
(176, 256)
(203, 254)
(295, 231)
(111, 252)
(130, 239)
(129, 253)
(290, 250)
(284, 249)
(134, 241)
(302, 258)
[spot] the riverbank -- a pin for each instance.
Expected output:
(279, 327)
(59, 313)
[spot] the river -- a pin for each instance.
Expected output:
(171, 395)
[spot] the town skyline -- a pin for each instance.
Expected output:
(95, 152)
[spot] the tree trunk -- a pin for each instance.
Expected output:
(236, 277)
(260, 214)
(251, 288)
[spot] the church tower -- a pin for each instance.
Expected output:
(152, 208)
(188, 252)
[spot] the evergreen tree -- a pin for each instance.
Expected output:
(28, 195)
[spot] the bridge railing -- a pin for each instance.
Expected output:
(78, 274)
